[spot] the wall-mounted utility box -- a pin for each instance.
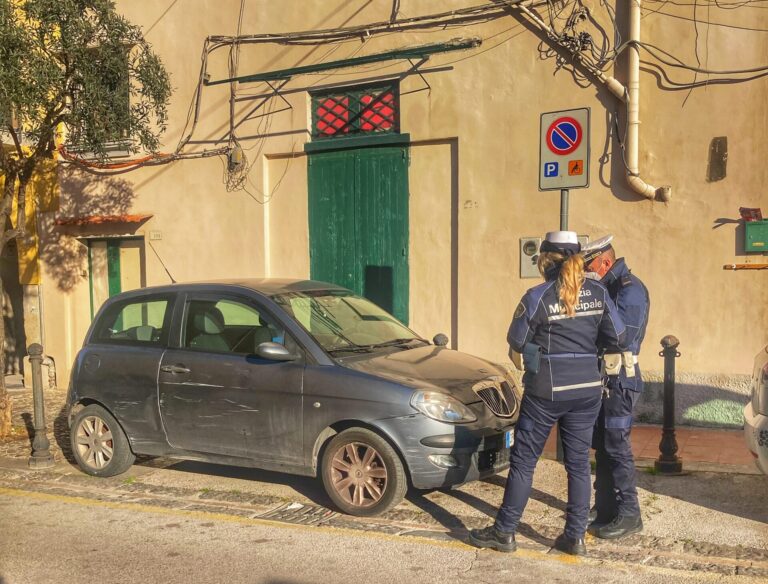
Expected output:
(756, 236)
(529, 255)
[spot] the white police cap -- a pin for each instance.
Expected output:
(566, 242)
(596, 248)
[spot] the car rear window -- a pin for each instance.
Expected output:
(141, 321)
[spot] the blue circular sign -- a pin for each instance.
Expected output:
(564, 135)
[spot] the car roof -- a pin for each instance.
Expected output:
(266, 286)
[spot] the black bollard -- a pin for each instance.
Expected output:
(41, 454)
(668, 462)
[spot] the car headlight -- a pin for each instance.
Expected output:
(442, 407)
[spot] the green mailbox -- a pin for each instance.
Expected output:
(756, 238)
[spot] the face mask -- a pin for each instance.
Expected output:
(592, 276)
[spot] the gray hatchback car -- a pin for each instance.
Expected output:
(295, 376)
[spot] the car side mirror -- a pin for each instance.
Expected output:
(275, 352)
(440, 340)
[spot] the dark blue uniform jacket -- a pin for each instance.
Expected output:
(633, 302)
(569, 363)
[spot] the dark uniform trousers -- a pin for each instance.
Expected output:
(615, 481)
(615, 475)
(576, 419)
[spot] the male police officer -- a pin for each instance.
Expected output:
(617, 511)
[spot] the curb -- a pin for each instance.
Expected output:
(688, 467)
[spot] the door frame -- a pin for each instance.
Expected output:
(113, 254)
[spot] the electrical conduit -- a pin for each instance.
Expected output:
(632, 98)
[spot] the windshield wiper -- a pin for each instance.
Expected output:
(398, 342)
(351, 349)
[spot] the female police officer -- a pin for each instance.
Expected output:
(559, 326)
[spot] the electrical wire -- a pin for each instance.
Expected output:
(569, 33)
(710, 23)
(672, 61)
(695, 49)
(716, 4)
(444, 20)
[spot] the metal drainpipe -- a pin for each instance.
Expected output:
(636, 183)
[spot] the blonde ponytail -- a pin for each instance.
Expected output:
(570, 279)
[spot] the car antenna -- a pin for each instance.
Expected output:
(162, 263)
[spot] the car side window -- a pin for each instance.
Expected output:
(228, 326)
(141, 321)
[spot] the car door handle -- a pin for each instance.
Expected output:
(174, 369)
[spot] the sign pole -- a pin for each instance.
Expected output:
(563, 227)
(563, 209)
(564, 165)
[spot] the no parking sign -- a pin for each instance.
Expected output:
(564, 150)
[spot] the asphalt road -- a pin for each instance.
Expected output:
(62, 538)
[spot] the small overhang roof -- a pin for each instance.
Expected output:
(89, 220)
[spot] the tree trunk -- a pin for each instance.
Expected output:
(6, 404)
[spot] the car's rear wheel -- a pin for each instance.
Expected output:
(362, 473)
(99, 444)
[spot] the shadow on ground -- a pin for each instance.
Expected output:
(733, 494)
(309, 487)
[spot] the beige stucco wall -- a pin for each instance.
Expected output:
(473, 174)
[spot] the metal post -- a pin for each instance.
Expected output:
(563, 209)
(669, 462)
(41, 454)
(563, 227)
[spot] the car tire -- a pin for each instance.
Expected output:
(99, 444)
(362, 474)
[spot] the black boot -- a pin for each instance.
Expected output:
(570, 545)
(621, 526)
(490, 537)
(598, 519)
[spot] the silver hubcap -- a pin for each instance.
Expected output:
(358, 474)
(94, 442)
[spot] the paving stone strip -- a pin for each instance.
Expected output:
(637, 549)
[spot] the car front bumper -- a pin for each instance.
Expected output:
(479, 451)
(756, 436)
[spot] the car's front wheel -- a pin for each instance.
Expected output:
(99, 444)
(362, 473)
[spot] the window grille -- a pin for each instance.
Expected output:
(368, 110)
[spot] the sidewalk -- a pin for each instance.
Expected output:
(708, 449)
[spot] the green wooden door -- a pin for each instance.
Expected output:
(358, 223)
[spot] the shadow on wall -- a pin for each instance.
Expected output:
(83, 195)
(708, 401)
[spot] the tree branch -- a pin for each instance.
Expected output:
(21, 208)
(8, 194)
(16, 141)
(9, 236)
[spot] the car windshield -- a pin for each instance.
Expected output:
(341, 321)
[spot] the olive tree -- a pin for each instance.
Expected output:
(72, 70)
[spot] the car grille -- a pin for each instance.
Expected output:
(498, 396)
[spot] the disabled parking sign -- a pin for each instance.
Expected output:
(564, 150)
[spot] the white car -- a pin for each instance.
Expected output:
(756, 412)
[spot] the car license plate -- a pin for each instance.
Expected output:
(509, 439)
